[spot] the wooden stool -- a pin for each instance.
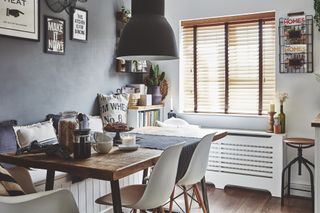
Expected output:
(300, 144)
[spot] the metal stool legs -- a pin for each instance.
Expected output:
(301, 160)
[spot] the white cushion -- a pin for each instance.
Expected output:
(176, 123)
(38, 176)
(113, 108)
(42, 132)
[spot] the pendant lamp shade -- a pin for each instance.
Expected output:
(147, 35)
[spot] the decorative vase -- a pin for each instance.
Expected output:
(282, 119)
(156, 94)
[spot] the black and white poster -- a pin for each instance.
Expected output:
(54, 35)
(20, 18)
(79, 25)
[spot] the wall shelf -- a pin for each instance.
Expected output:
(141, 116)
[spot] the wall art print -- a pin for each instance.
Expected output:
(55, 38)
(79, 25)
(20, 18)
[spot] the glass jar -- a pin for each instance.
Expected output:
(67, 124)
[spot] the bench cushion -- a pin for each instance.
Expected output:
(8, 185)
(8, 141)
(38, 176)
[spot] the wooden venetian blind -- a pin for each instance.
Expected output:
(229, 66)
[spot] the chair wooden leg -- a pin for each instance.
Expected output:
(195, 187)
(197, 196)
(186, 202)
(171, 200)
(162, 210)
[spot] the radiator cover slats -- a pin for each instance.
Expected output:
(247, 161)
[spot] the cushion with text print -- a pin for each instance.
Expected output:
(113, 108)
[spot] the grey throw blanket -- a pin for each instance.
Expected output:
(162, 142)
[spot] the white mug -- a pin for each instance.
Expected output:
(103, 147)
(103, 143)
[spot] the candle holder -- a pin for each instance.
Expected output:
(271, 121)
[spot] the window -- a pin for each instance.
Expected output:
(228, 64)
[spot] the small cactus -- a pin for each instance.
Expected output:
(154, 78)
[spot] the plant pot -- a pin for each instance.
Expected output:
(156, 94)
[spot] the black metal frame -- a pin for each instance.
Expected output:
(301, 160)
(72, 24)
(46, 35)
(307, 66)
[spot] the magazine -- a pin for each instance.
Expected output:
(295, 56)
(295, 30)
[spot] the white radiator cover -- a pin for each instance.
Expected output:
(248, 160)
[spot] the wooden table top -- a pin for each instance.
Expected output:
(112, 166)
(316, 122)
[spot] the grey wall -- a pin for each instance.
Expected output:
(33, 84)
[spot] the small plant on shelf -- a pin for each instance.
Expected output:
(317, 13)
(124, 15)
(154, 78)
(157, 85)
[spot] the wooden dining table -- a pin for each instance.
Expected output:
(109, 167)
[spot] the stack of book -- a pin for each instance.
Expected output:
(149, 117)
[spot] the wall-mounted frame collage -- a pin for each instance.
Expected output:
(21, 19)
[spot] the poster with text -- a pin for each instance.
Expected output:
(54, 35)
(79, 25)
(20, 18)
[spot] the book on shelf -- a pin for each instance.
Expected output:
(148, 118)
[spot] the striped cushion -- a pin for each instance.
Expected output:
(8, 185)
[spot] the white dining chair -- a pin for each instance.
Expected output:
(61, 201)
(54, 201)
(195, 172)
(160, 185)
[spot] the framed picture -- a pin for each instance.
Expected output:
(79, 25)
(55, 38)
(20, 19)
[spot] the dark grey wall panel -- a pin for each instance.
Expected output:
(33, 84)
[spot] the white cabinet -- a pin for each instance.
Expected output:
(140, 116)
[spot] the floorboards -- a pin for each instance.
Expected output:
(240, 200)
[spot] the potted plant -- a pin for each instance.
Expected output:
(153, 82)
(317, 13)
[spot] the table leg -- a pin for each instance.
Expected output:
(204, 194)
(145, 174)
(50, 179)
(116, 198)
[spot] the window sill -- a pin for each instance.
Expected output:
(224, 115)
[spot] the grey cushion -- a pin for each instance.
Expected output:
(8, 142)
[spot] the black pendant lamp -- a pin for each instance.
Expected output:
(147, 35)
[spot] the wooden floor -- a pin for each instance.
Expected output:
(239, 200)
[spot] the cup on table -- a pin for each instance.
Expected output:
(103, 143)
(128, 139)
